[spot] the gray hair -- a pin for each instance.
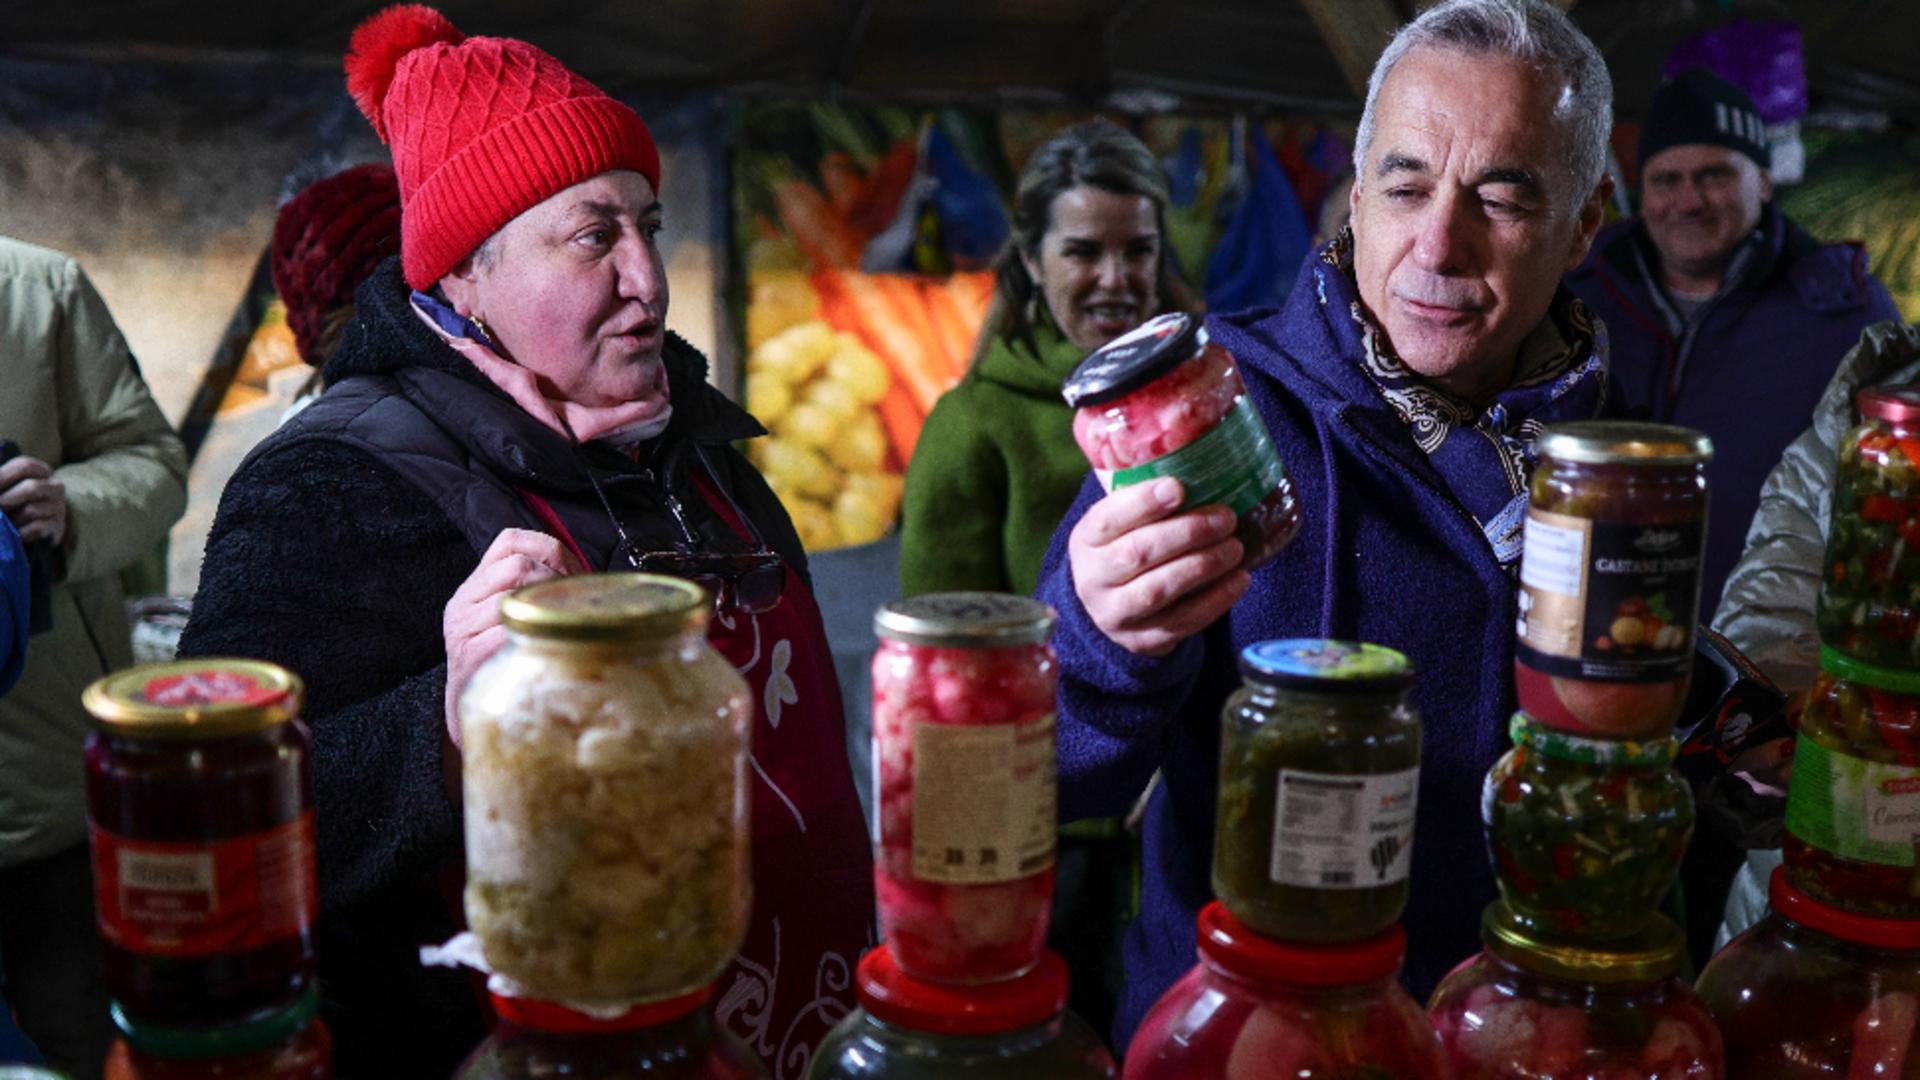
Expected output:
(1534, 32)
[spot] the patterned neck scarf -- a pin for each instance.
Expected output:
(1485, 454)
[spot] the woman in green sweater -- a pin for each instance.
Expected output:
(996, 466)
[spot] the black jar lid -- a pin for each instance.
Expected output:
(1326, 666)
(1134, 359)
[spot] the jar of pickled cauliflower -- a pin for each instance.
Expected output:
(964, 784)
(1162, 400)
(605, 763)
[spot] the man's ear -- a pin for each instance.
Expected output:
(462, 286)
(1593, 213)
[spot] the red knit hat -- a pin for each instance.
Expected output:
(482, 129)
(326, 241)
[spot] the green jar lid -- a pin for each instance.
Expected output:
(262, 1031)
(1841, 666)
(1326, 666)
(1524, 730)
(1652, 954)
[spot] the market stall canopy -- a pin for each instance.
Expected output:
(1300, 54)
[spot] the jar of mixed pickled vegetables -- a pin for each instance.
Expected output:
(1587, 834)
(1610, 577)
(1162, 400)
(288, 1043)
(199, 805)
(674, 1039)
(1528, 1009)
(1869, 607)
(1319, 772)
(964, 783)
(1255, 1008)
(1853, 803)
(911, 1029)
(605, 756)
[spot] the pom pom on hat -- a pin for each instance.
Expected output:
(374, 52)
(326, 241)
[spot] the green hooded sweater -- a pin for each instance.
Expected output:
(994, 471)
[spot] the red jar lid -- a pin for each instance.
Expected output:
(1894, 404)
(560, 1020)
(894, 997)
(1869, 930)
(1227, 943)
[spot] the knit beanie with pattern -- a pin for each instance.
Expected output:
(1698, 106)
(481, 129)
(327, 240)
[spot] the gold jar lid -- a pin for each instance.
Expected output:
(1624, 442)
(206, 698)
(966, 620)
(607, 607)
(1652, 954)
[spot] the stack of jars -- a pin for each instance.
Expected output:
(964, 824)
(199, 807)
(1319, 766)
(1585, 817)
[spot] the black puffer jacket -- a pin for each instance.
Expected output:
(335, 549)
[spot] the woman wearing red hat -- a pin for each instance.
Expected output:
(507, 406)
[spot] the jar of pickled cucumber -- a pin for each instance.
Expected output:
(1869, 608)
(1587, 834)
(1319, 772)
(605, 756)
(1610, 577)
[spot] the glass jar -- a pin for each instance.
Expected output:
(1867, 607)
(605, 754)
(290, 1043)
(910, 1029)
(964, 775)
(1586, 834)
(1255, 1007)
(1527, 1009)
(1812, 991)
(675, 1039)
(199, 805)
(1319, 770)
(1610, 577)
(1162, 400)
(1853, 802)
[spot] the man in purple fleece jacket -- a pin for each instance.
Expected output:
(1416, 358)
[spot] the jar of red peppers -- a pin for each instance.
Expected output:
(1610, 577)
(199, 805)
(1812, 991)
(1162, 400)
(1528, 1009)
(1869, 607)
(964, 783)
(290, 1043)
(674, 1039)
(1853, 803)
(1255, 1007)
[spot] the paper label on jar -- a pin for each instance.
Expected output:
(228, 896)
(983, 801)
(1608, 600)
(1234, 465)
(1867, 811)
(1342, 831)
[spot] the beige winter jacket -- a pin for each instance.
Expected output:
(71, 395)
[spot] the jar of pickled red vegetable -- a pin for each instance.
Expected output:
(1529, 1009)
(1610, 577)
(964, 783)
(605, 757)
(199, 804)
(1853, 803)
(1162, 400)
(1254, 1008)
(1869, 608)
(911, 1029)
(674, 1039)
(290, 1043)
(1319, 770)
(1586, 834)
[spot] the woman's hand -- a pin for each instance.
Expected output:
(471, 622)
(1150, 577)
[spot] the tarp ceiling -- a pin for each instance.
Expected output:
(1860, 52)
